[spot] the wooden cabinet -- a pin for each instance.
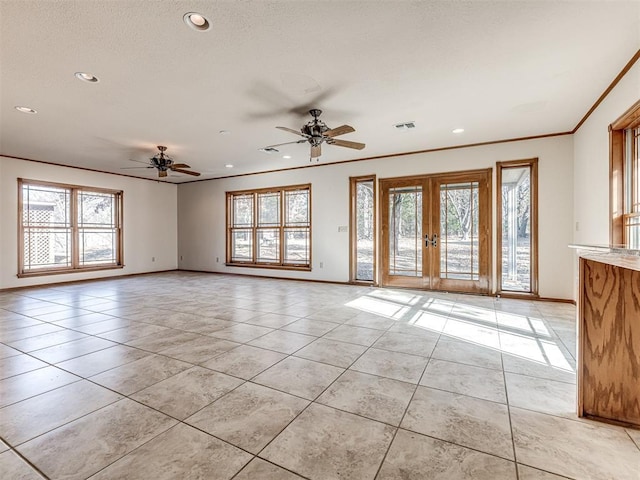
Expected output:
(609, 338)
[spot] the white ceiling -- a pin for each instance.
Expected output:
(498, 69)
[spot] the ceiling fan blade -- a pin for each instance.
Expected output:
(138, 161)
(132, 168)
(341, 130)
(179, 165)
(291, 130)
(162, 173)
(288, 143)
(346, 143)
(316, 151)
(188, 172)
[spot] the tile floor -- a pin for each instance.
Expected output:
(183, 376)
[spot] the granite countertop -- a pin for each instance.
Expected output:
(612, 254)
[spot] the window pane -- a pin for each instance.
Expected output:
(242, 245)
(269, 245)
(97, 246)
(46, 206)
(364, 230)
(269, 209)
(243, 210)
(516, 229)
(47, 248)
(296, 246)
(96, 209)
(297, 207)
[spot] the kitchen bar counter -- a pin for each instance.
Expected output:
(609, 334)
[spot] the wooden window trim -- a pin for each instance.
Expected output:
(353, 242)
(500, 166)
(75, 262)
(282, 228)
(617, 189)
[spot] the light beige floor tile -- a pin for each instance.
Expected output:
(72, 452)
(132, 332)
(324, 443)
(14, 468)
(47, 340)
(272, 320)
(635, 435)
(465, 379)
(244, 361)
(473, 332)
(18, 364)
(135, 376)
(249, 417)
(333, 352)
(104, 326)
(200, 349)
(370, 320)
(371, 396)
(241, 332)
(334, 314)
(573, 449)
(19, 387)
(259, 469)
(83, 320)
(180, 453)
(399, 366)
(467, 353)
(467, 421)
(357, 335)
(156, 342)
(36, 415)
(283, 342)
(528, 473)
(564, 370)
(307, 326)
(187, 392)
(403, 343)
(103, 360)
(6, 352)
(18, 334)
(69, 350)
(541, 395)
(297, 376)
(415, 457)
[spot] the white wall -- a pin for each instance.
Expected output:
(150, 220)
(591, 161)
(201, 208)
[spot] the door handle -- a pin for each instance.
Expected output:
(433, 241)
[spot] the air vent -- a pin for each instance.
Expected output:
(405, 126)
(269, 150)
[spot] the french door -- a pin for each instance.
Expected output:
(436, 231)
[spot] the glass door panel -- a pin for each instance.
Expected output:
(459, 231)
(402, 238)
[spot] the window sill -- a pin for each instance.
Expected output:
(41, 273)
(301, 268)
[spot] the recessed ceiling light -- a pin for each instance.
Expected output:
(224, 132)
(457, 130)
(286, 156)
(228, 165)
(196, 21)
(25, 109)
(86, 77)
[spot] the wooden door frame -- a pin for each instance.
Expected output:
(485, 178)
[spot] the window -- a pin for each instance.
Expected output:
(624, 140)
(270, 227)
(65, 228)
(517, 226)
(363, 228)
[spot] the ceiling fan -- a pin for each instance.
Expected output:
(316, 132)
(163, 163)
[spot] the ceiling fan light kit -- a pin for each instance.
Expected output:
(316, 132)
